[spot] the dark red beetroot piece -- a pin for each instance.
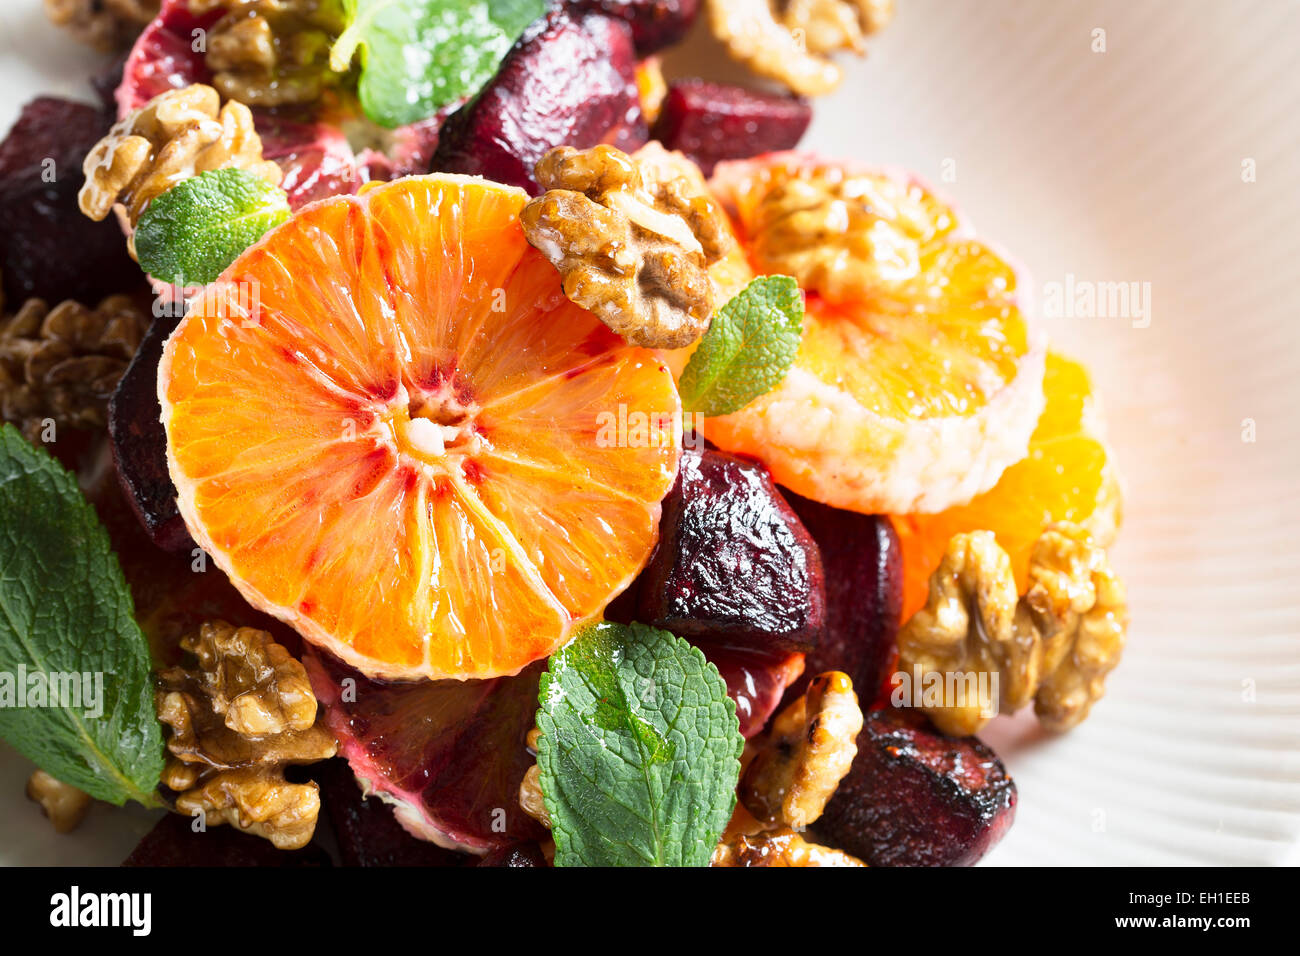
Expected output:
(451, 753)
(713, 122)
(365, 829)
(173, 842)
(734, 566)
(655, 23)
(914, 797)
(48, 249)
(140, 443)
(864, 597)
(755, 681)
(568, 81)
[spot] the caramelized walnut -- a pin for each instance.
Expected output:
(62, 364)
(781, 847)
(1078, 603)
(803, 756)
(633, 248)
(64, 805)
(530, 796)
(790, 40)
(273, 52)
(107, 25)
(236, 721)
(176, 135)
(1053, 646)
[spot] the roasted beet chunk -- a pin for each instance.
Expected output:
(173, 842)
(566, 82)
(864, 595)
(367, 832)
(140, 443)
(655, 23)
(914, 797)
(712, 122)
(48, 249)
(734, 566)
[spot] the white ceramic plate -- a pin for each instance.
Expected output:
(1122, 166)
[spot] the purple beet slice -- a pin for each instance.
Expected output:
(365, 829)
(755, 681)
(655, 24)
(713, 122)
(863, 566)
(567, 81)
(48, 249)
(172, 842)
(447, 755)
(734, 567)
(140, 443)
(914, 797)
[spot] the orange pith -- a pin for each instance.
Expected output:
(385, 424)
(1066, 477)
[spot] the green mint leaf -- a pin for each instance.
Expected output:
(65, 610)
(194, 230)
(640, 749)
(750, 345)
(418, 56)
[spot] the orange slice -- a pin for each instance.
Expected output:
(1068, 476)
(391, 429)
(919, 379)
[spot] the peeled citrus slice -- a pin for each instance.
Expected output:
(1068, 476)
(919, 379)
(391, 429)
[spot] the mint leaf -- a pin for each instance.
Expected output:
(194, 230)
(418, 56)
(640, 749)
(750, 345)
(65, 610)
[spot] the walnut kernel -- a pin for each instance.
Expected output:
(1053, 646)
(64, 805)
(175, 136)
(781, 847)
(107, 25)
(790, 40)
(236, 721)
(62, 364)
(805, 754)
(633, 248)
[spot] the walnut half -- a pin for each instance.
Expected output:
(236, 721)
(789, 40)
(1053, 646)
(176, 135)
(632, 248)
(805, 754)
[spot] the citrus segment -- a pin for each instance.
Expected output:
(385, 423)
(1067, 476)
(918, 379)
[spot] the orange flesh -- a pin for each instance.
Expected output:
(385, 423)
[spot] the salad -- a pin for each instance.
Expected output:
(433, 435)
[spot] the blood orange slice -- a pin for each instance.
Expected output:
(391, 429)
(919, 376)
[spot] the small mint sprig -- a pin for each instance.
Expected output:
(749, 347)
(194, 230)
(85, 710)
(418, 56)
(640, 749)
